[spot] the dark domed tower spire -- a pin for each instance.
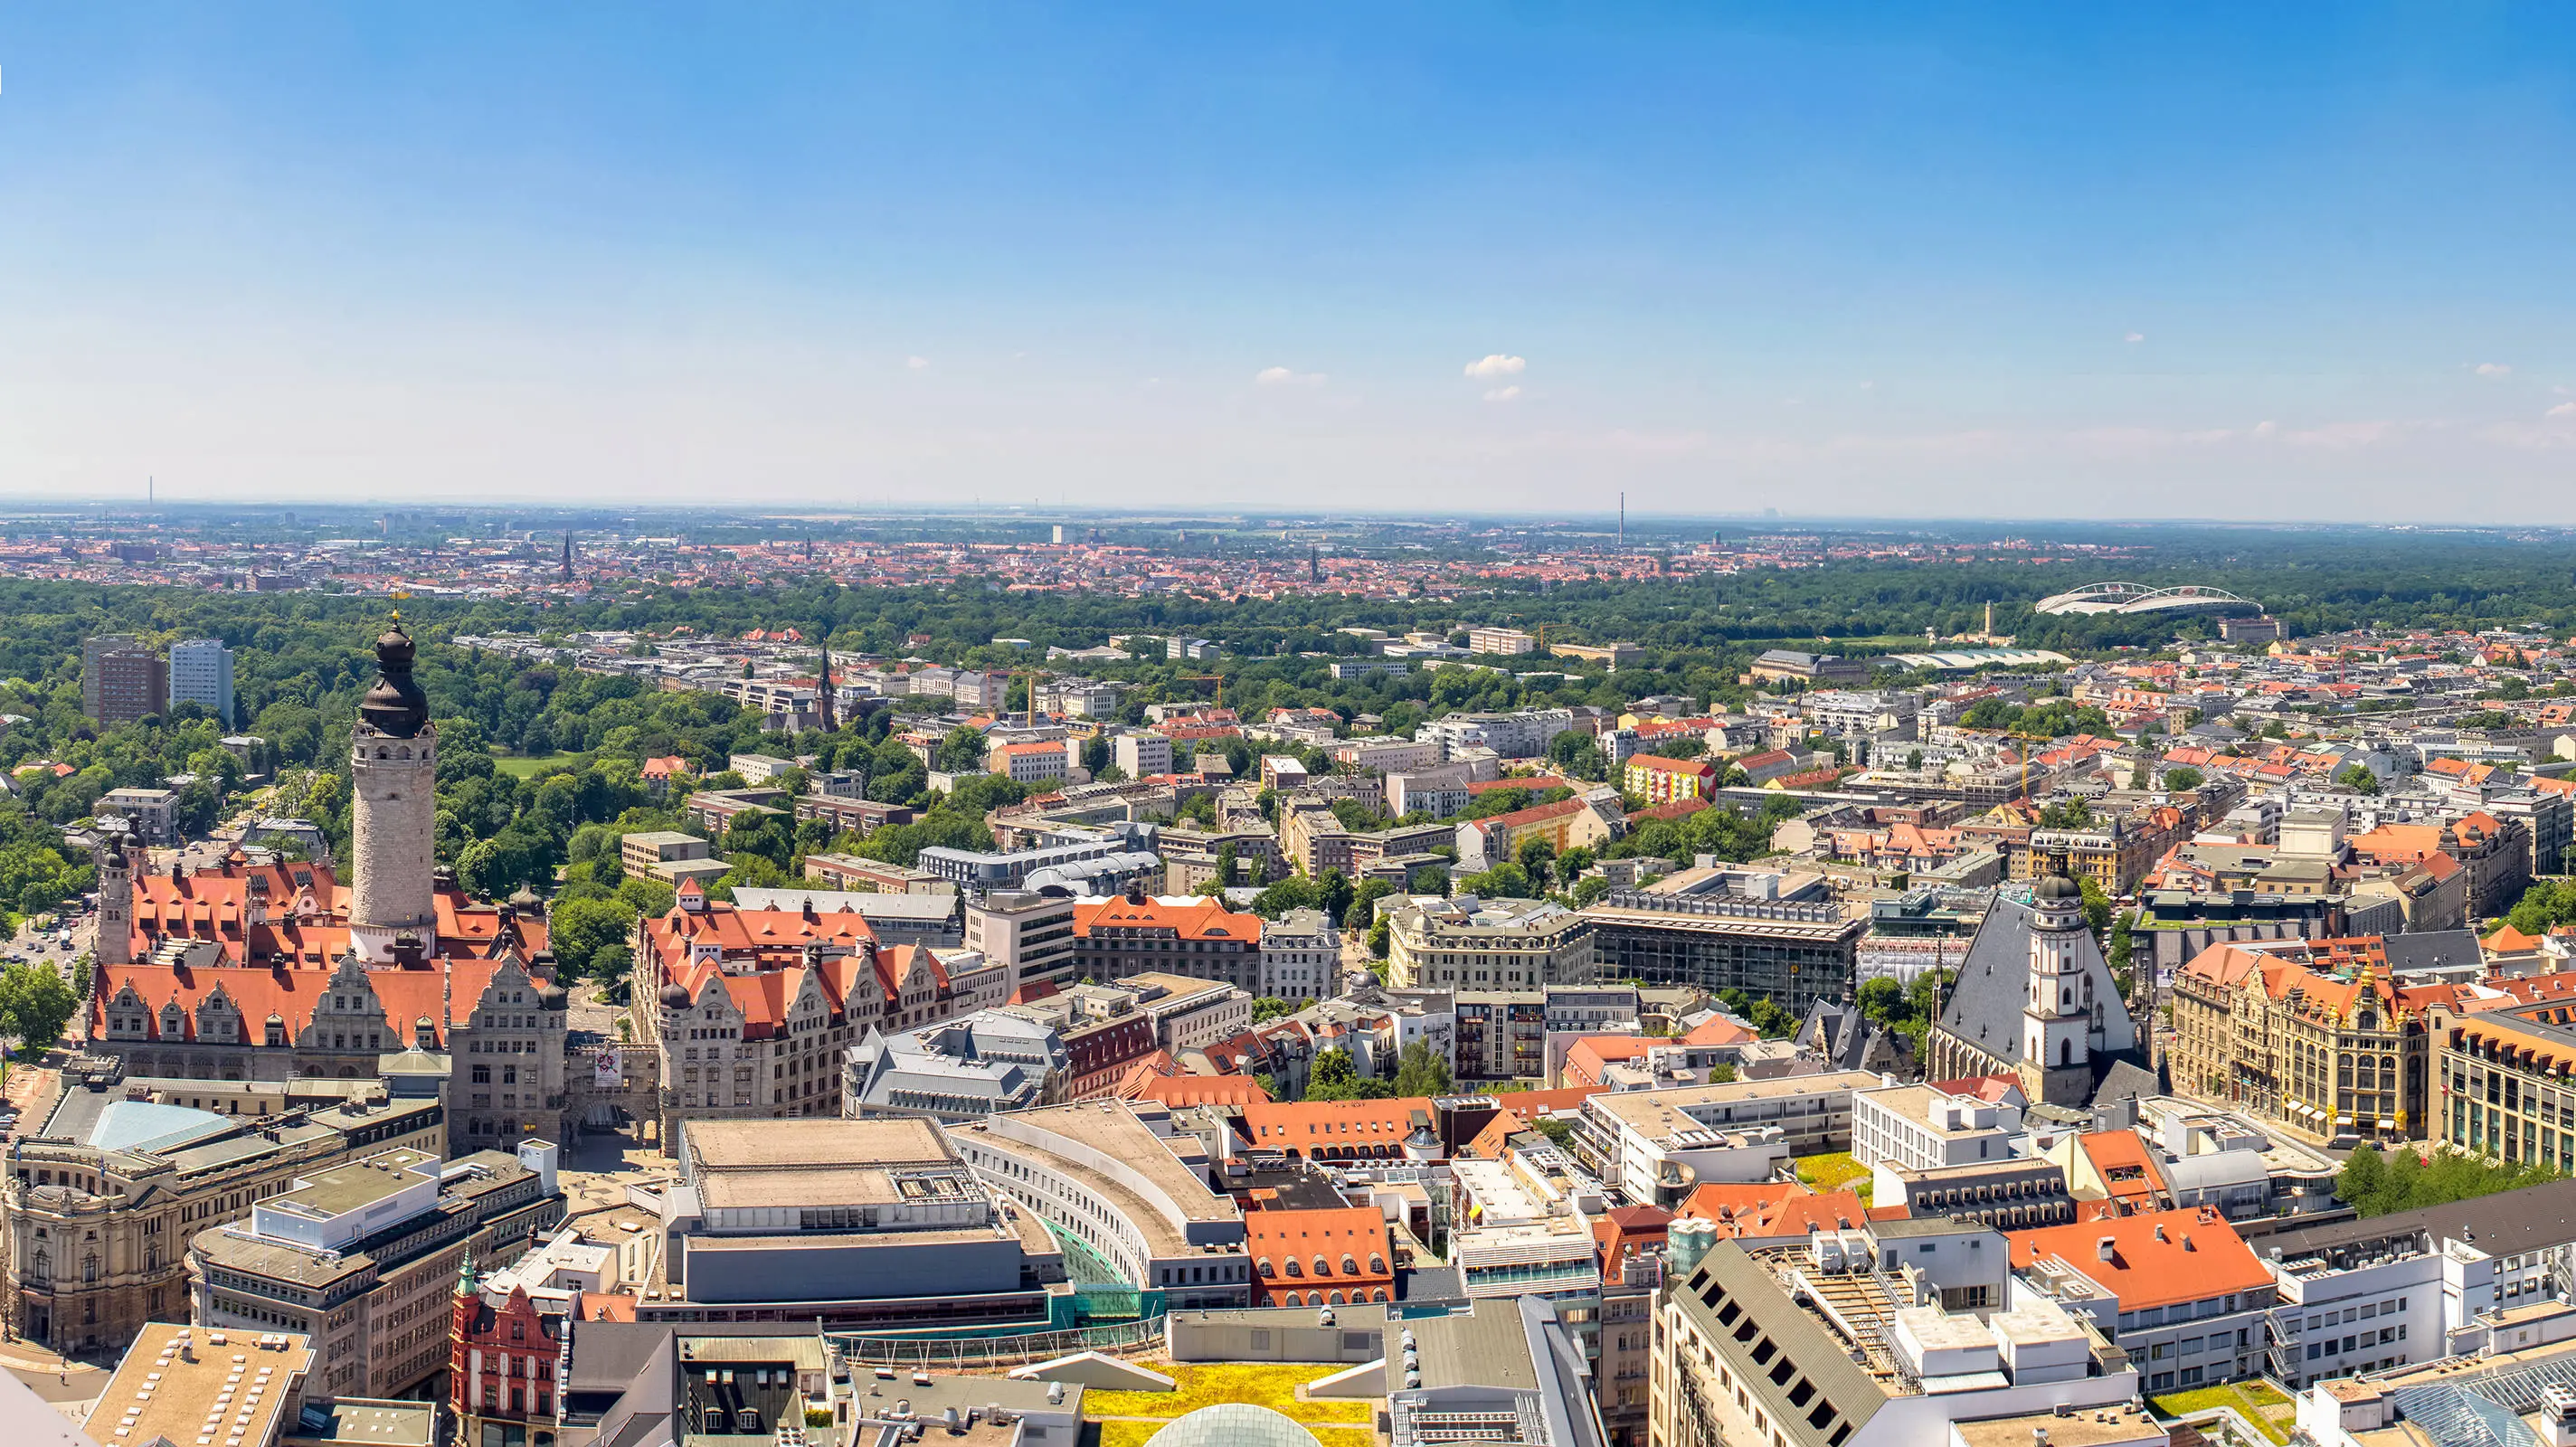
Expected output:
(395, 707)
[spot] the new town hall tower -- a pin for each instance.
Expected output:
(393, 771)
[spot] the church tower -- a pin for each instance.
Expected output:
(2058, 1012)
(823, 684)
(393, 770)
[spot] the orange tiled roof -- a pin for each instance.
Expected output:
(2158, 1258)
(1308, 1125)
(1774, 1208)
(1343, 1248)
(1658, 764)
(1195, 919)
(2128, 1170)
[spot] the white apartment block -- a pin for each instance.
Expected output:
(1386, 756)
(1917, 1128)
(1657, 1144)
(1501, 640)
(1138, 755)
(201, 672)
(1520, 735)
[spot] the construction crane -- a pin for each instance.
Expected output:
(1216, 678)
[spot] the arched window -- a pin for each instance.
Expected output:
(1323, 1267)
(2065, 1052)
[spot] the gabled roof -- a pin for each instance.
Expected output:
(1657, 763)
(1318, 1124)
(1719, 1030)
(2158, 1258)
(1334, 1246)
(1191, 919)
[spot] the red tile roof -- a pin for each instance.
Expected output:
(1344, 1127)
(2156, 1259)
(1343, 1249)
(1194, 919)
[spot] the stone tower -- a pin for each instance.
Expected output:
(2058, 1016)
(393, 771)
(115, 944)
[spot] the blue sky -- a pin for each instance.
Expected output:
(2276, 261)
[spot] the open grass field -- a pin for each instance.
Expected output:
(2271, 1413)
(520, 766)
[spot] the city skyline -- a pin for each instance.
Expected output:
(2196, 264)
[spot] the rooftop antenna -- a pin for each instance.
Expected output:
(1623, 519)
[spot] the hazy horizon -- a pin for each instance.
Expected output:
(1943, 267)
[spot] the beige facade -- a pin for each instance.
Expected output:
(98, 1235)
(1503, 945)
(2322, 1046)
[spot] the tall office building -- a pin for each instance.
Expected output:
(122, 679)
(201, 672)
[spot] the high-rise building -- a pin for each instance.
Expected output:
(1032, 934)
(394, 771)
(201, 672)
(122, 679)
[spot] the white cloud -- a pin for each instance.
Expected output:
(1503, 394)
(2563, 409)
(1497, 367)
(1282, 377)
(2135, 337)
(2492, 369)
(916, 363)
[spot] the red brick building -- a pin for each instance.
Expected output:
(501, 1369)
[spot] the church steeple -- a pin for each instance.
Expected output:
(823, 683)
(2057, 1015)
